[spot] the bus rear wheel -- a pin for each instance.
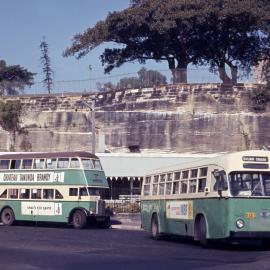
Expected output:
(7, 217)
(155, 228)
(203, 233)
(79, 219)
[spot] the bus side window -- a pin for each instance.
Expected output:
(13, 193)
(51, 163)
(63, 163)
(73, 192)
(24, 193)
(4, 194)
(4, 164)
(39, 163)
(83, 191)
(74, 163)
(35, 193)
(97, 164)
(48, 194)
(27, 164)
(202, 184)
(146, 188)
(15, 164)
(58, 195)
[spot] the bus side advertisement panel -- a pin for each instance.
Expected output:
(179, 209)
(41, 208)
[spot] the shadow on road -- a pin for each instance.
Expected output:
(52, 225)
(229, 245)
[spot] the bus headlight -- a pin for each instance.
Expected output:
(240, 223)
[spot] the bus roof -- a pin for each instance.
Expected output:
(230, 161)
(22, 155)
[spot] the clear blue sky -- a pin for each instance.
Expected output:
(24, 22)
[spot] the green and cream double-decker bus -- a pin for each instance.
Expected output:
(215, 198)
(52, 187)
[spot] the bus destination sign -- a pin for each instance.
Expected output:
(255, 159)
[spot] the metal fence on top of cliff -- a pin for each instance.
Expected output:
(110, 82)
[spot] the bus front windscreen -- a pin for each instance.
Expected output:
(249, 184)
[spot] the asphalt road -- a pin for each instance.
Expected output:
(42, 247)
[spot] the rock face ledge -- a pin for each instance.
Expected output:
(195, 118)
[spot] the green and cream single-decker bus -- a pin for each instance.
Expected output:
(226, 197)
(52, 187)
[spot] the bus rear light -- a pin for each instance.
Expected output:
(240, 223)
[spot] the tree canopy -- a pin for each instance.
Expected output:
(10, 119)
(13, 79)
(214, 32)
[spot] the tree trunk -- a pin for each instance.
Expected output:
(179, 75)
(234, 72)
(12, 145)
(223, 75)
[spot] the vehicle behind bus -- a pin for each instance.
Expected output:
(53, 187)
(227, 197)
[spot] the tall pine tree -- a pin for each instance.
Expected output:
(46, 62)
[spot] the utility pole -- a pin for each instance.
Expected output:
(93, 122)
(90, 70)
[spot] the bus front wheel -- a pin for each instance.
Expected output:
(203, 232)
(7, 217)
(155, 227)
(79, 219)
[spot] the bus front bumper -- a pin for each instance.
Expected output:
(253, 234)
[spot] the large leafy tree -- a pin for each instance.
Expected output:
(235, 35)
(13, 79)
(217, 32)
(148, 30)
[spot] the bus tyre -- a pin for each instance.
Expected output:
(7, 217)
(155, 227)
(203, 233)
(79, 219)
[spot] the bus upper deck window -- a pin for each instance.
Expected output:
(87, 164)
(63, 163)
(51, 163)
(39, 163)
(27, 164)
(4, 164)
(15, 164)
(74, 163)
(97, 164)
